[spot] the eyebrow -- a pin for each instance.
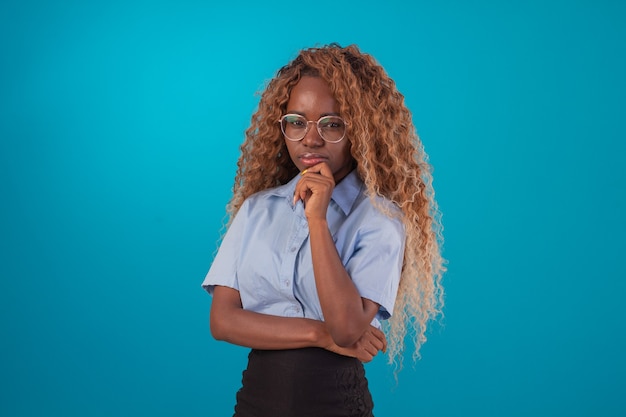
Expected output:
(304, 114)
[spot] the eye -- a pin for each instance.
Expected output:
(294, 121)
(333, 123)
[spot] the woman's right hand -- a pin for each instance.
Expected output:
(368, 346)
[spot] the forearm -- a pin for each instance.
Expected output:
(261, 331)
(346, 314)
(231, 323)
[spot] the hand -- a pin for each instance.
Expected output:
(368, 346)
(315, 188)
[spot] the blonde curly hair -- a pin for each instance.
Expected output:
(390, 161)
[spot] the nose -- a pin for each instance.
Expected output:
(312, 138)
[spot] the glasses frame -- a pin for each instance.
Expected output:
(317, 125)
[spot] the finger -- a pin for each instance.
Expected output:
(326, 171)
(380, 336)
(377, 344)
(305, 194)
(312, 184)
(367, 355)
(371, 349)
(322, 168)
(316, 183)
(315, 169)
(301, 191)
(296, 196)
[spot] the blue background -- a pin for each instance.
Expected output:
(120, 126)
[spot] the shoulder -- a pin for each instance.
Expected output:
(378, 207)
(377, 219)
(267, 197)
(270, 203)
(281, 191)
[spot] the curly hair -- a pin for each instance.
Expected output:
(391, 162)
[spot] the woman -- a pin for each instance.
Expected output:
(333, 228)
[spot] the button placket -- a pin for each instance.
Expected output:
(287, 270)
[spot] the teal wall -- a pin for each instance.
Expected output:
(120, 123)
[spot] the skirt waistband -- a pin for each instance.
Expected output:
(305, 359)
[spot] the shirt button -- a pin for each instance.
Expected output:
(286, 282)
(293, 249)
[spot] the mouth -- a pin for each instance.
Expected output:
(310, 159)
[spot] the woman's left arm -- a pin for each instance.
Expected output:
(346, 313)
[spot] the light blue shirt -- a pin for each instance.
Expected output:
(266, 253)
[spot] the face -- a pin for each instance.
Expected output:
(311, 97)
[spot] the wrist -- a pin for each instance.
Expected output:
(321, 337)
(317, 222)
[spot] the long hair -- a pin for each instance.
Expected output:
(391, 162)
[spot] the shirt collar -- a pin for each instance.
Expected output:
(347, 191)
(344, 194)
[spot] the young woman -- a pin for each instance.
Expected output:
(333, 229)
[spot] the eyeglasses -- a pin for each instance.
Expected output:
(295, 127)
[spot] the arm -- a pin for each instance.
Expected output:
(231, 323)
(346, 313)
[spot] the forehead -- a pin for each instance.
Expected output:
(312, 95)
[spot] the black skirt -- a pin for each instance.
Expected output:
(308, 382)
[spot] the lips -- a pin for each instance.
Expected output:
(310, 159)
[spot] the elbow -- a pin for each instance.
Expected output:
(347, 326)
(225, 307)
(218, 329)
(346, 336)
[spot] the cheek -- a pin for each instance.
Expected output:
(288, 148)
(291, 151)
(347, 154)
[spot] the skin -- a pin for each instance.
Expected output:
(347, 328)
(347, 315)
(312, 98)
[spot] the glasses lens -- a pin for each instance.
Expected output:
(332, 128)
(294, 126)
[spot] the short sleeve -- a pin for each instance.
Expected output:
(223, 270)
(376, 264)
